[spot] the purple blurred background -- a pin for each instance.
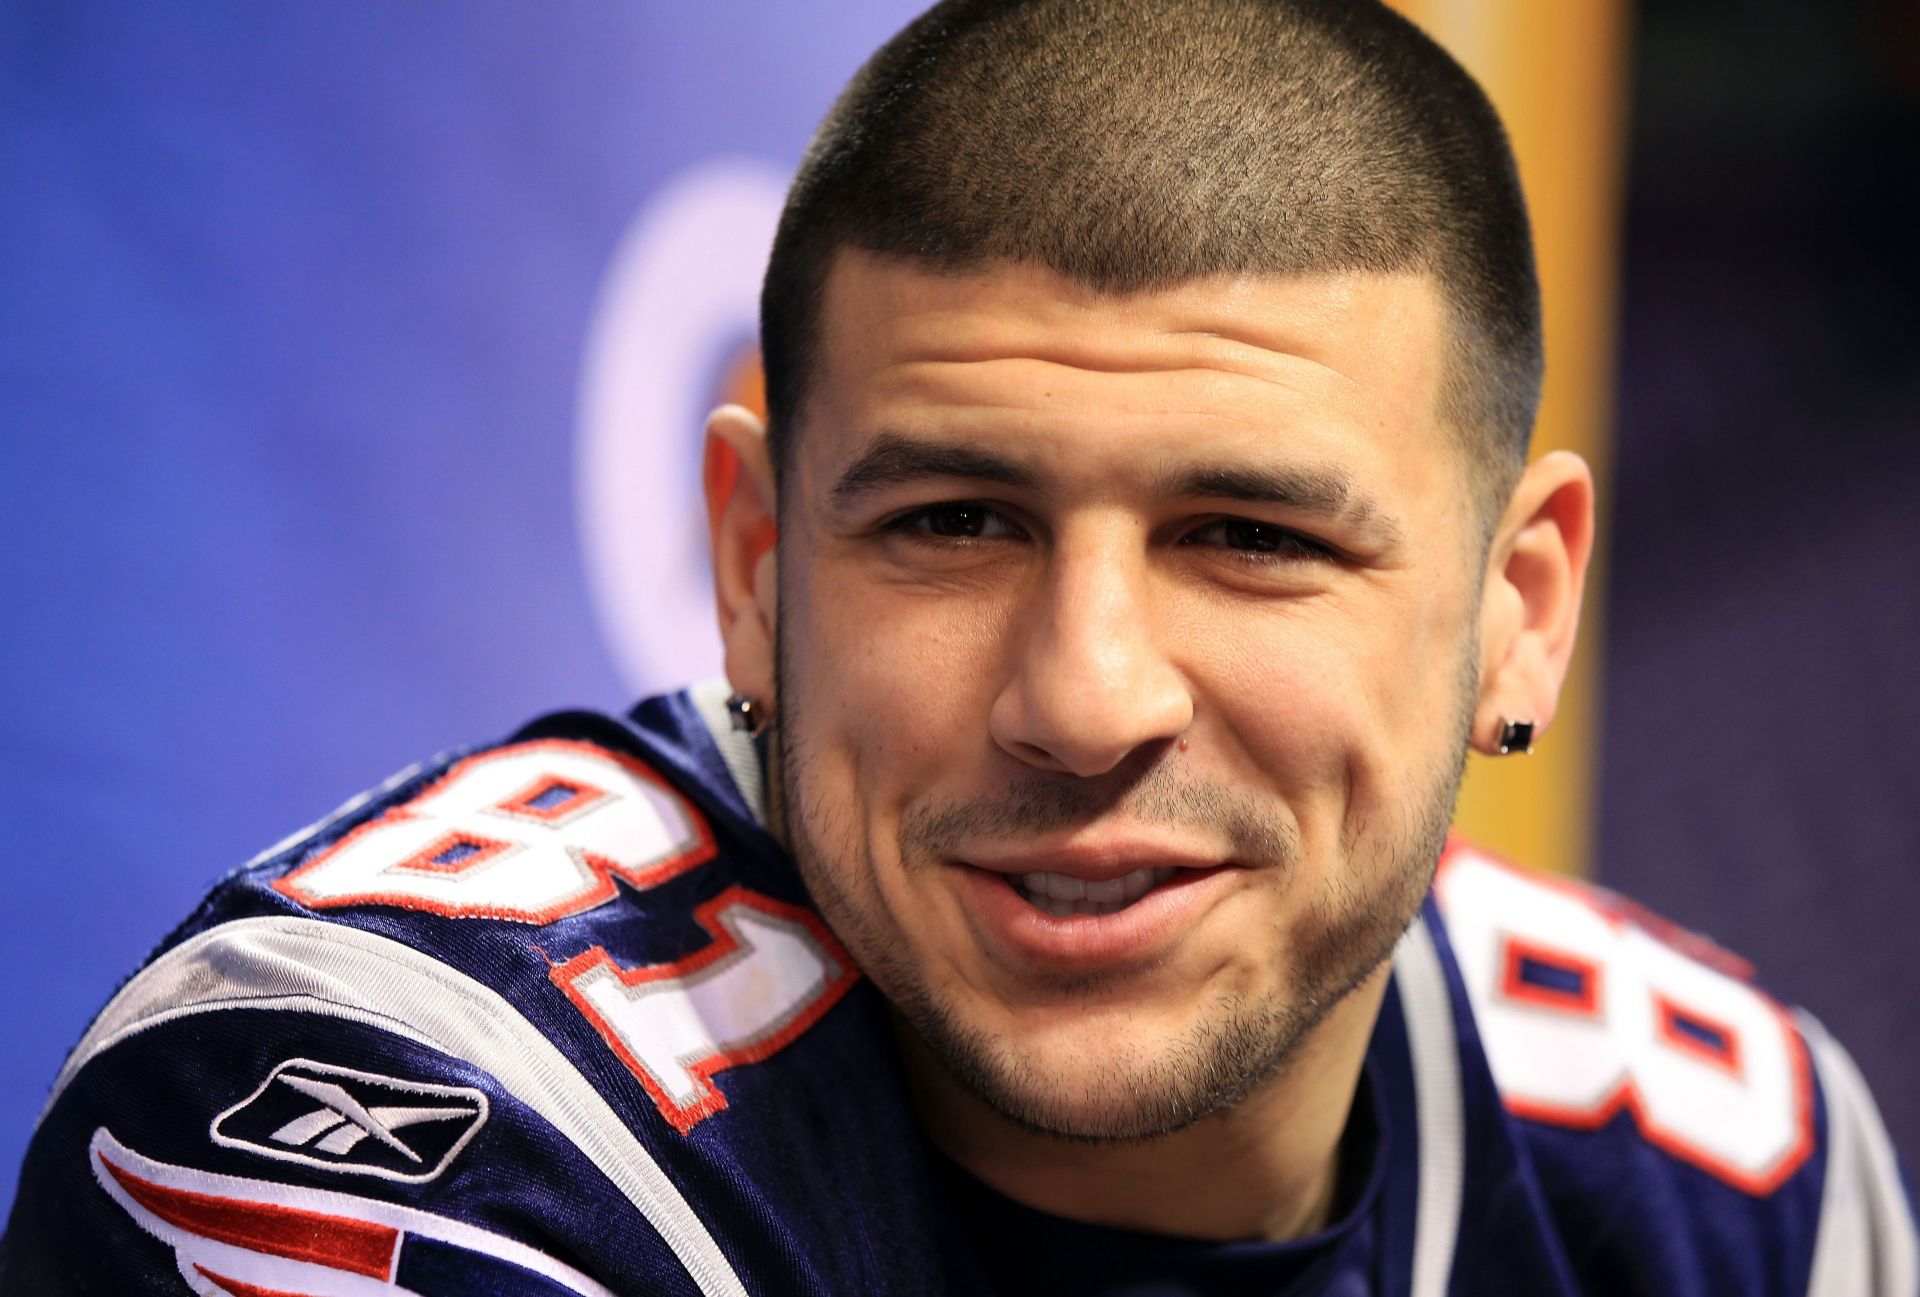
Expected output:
(299, 316)
(1761, 749)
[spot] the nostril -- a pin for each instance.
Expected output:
(1034, 754)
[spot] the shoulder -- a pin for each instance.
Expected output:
(509, 1014)
(1679, 1119)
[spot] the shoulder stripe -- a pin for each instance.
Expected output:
(266, 1237)
(1866, 1245)
(1428, 1010)
(312, 966)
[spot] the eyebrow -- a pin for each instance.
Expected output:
(893, 459)
(1309, 490)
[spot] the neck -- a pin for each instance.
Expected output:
(1267, 1168)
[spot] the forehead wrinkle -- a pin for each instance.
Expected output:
(1269, 368)
(1103, 340)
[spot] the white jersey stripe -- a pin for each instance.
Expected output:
(1428, 1010)
(709, 699)
(1866, 1246)
(310, 966)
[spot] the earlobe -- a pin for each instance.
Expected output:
(741, 522)
(1530, 605)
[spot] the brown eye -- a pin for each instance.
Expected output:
(955, 520)
(1259, 540)
(1241, 534)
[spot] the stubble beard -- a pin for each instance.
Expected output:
(1232, 1047)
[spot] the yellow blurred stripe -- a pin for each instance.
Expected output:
(1556, 70)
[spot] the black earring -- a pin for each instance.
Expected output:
(1515, 736)
(746, 715)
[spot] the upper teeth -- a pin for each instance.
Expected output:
(1127, 887)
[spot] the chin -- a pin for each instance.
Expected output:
(1112, 1076)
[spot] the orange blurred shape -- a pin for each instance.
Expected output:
(745, 383)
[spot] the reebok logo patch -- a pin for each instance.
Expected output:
(356, 1122)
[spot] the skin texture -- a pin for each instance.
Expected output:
(1187, 577)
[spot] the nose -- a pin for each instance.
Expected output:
(1092, 683)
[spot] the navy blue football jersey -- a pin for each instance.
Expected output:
(554, 1017)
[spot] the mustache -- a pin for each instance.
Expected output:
(1042, 804)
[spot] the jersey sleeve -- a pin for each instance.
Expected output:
(548, 1017)
(1866, 1244)
(284, 1106)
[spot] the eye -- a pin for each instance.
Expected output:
(1257, 541)
(955, 520)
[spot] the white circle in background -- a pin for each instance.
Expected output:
(681, 295)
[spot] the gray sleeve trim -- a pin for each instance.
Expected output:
(310, 966)
(1866, 1245)
(1435, 1046)
(709, 699)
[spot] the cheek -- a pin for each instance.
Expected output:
(1296, 686)
(896, 683)
(892, 694)
(1333, 707)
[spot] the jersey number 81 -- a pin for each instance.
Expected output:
(537, 832)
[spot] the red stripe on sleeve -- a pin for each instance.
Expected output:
(238, 1289)
(357, 1246)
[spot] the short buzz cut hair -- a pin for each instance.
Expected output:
(1135, 144)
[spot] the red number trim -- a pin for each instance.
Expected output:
(1584, 1003)
(1625, 1097)
(581, 795)
(605, 870)
(1667, 1014)
(427, 859)
(684, 1117)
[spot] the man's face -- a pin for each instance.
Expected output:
(1126, 656)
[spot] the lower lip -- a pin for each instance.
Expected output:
(1013, 927)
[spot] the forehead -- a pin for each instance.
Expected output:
(1335, 366)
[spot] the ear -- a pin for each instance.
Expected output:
(1530, 603)
(738, 478)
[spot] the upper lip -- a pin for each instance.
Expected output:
(1093, 860)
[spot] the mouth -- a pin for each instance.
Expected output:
(1103, 909)
(1064, 896)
